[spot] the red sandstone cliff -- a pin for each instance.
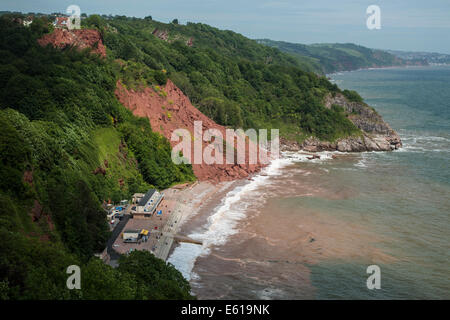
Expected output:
(168, 109)
(83, 38)
(173, 111)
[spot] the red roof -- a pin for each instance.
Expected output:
(61, 21)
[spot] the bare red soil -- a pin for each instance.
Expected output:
(83, 38)
(169, 109)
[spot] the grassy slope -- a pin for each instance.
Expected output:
(59, 122)
(121, 165)
(67, 122)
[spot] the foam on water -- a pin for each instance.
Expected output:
(300, 156)
(269, 293)
(424, 143)
(401, 197)
(363, 162)
(183, 258)
(224, 221)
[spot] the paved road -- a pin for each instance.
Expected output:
(165, 242)
(113, 254)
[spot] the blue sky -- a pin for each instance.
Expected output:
(405, 24)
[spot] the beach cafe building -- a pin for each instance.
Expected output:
(144, 205)
(133, 236)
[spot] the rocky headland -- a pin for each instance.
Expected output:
(376, 134)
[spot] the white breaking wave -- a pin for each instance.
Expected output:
(269, 294)
(304, 157)
(224, 221)
(361, 163)
(423, 143)
(183, 258)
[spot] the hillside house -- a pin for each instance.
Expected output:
(61, 22)
(28, 21)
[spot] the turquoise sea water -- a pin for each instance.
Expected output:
(309, 229)
(404, 195)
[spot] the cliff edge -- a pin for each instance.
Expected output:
(82, 39)
(168, 109)
(376, 134)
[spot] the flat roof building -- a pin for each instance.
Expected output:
(137, 197)
(145, 205)
(134, 235)
(131, 235)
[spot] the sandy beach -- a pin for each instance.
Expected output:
(180, 204)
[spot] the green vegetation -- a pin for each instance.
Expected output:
(160, 282)
(66, 146)
(34, 269)
(135, 75)
(332, 57)
(232, 79)
(153, 153)
(352, 95)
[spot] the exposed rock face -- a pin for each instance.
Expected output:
(83, 38)
(162, 34)
(38, 214)
(99, 170)
(376, 135)
(28, 177)
(169, 109)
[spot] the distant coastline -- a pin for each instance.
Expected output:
(328, 75)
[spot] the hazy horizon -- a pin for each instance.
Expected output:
(406, 25)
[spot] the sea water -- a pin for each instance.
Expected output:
(308, 229)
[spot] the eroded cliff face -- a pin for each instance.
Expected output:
(376, 134)
(173, 110)
(82, 39)
(168, 109)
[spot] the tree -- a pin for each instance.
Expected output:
(99, 281)
(95, 20)
(155, 279)
(160, 77)
(175, 21)
(352, 95)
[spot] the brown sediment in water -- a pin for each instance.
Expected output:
(278, 241)
(198, 200)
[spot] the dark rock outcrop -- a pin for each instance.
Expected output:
(376, 134)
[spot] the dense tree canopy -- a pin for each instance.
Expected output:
(66, 146)
(232, 79)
